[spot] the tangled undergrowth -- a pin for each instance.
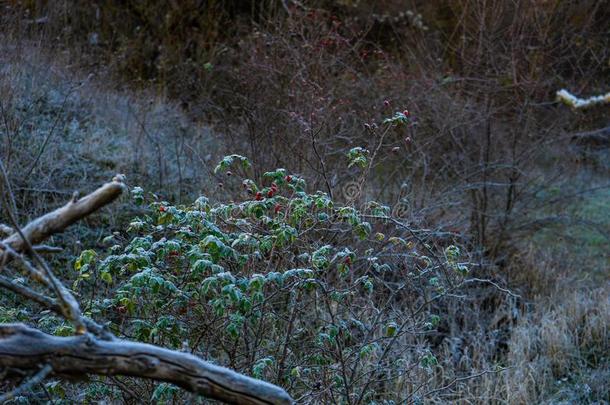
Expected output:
(484, 280)
(333, 303)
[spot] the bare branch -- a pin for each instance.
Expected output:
(55, 222)
(575, 102)
(598, 139)
(47, 249)
(480, 280)
(30, 294)
(36, 379)
(6, 230)
(26, 348)
(32, 271)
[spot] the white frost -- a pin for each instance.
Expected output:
(568, 98)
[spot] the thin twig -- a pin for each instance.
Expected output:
(36, 379)
(321, 160)
(466, 378)
(30, 294)
(481, 280)
(47, 249)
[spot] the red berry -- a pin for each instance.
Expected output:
(277, 208)
(270, 193)
(122, 309)
(348, 260)
(162, 208)
(274, 187)
(288, 179)
(406, 113)
(258, 196)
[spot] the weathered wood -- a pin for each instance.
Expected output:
(28, 348)
(56, 221)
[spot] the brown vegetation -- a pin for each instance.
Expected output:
(488, 160)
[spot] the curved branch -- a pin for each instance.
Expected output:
(56, 221)
(575, 102)
(26, 348)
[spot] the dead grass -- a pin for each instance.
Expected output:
(64, 130)
(559, 352)
(556, 352)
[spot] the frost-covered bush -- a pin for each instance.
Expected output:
(329, 301)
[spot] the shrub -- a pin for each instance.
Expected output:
(329, 301)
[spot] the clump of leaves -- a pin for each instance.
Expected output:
(284, 285)
(399, 118)
(357, 156)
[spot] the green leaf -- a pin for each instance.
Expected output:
(228, 161)
(391, 329)
(319, 258)
(363, 230)
(105, 276)
(357, 156)
(137, 193)
(295, 372)
(462, 269)
(202, 266)
(367, 283)
(260, 366)
(164, 393)
(85, 258)
(428, 361)
(64, 330)
(452, 253)
(399, 118)
(367, 350)
(257, 281)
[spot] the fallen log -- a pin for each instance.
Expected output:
(30, 349)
